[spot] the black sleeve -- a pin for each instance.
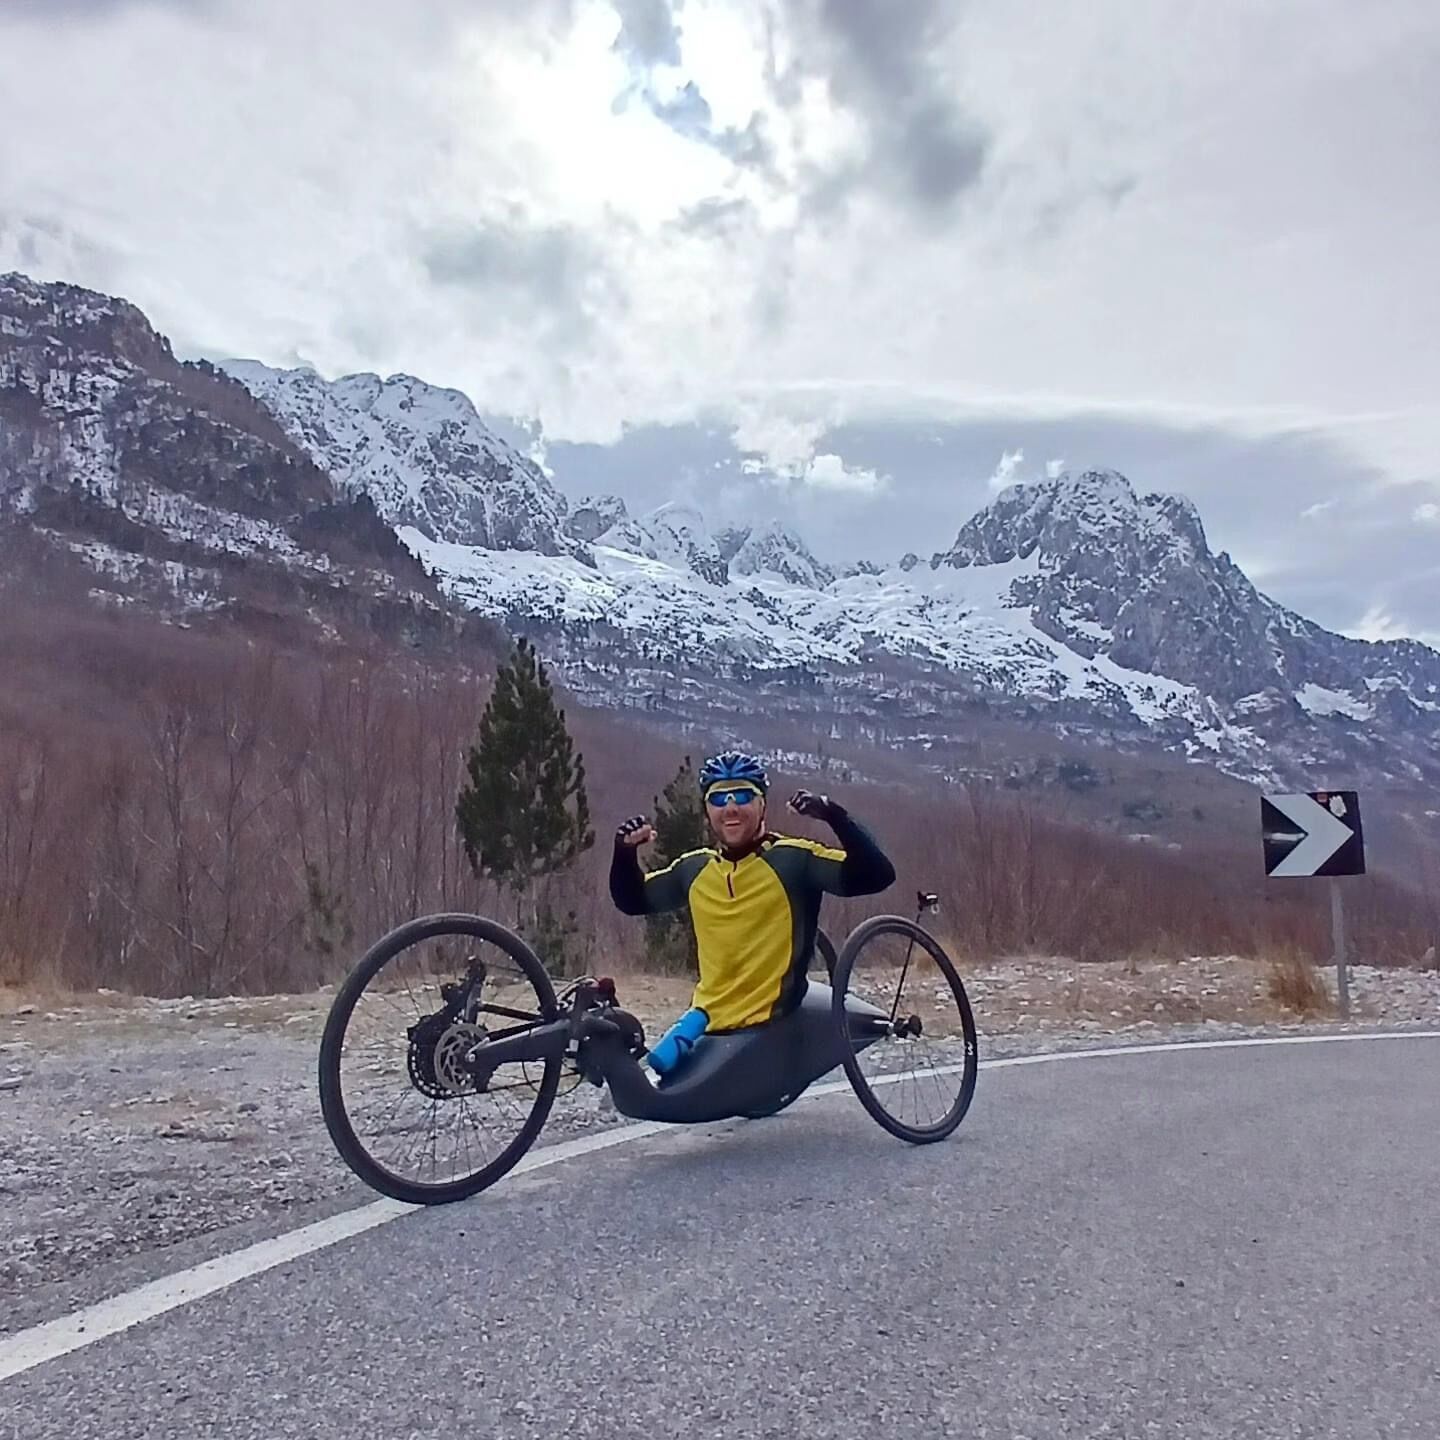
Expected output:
(863, 868)
(636, 893)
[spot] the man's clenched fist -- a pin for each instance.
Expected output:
(635, 831)
(813, 807)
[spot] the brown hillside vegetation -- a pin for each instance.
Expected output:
(193, 813)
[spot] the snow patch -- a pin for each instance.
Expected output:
(1090, 628)
(965, 621)
(421, 452)
(1318, 700)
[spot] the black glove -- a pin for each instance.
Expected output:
(625, 831)
(816, 807)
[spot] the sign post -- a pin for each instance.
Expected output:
(1337, 934)
(1315, 834)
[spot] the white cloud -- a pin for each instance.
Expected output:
(1428, 513)
(256, 201)
(1315, 511)
(1158, 232)
(830, 472)
(784, 444)
(1004, 475)
(1054, 469)
(783, 450)
(825, 471)
(1377, 624)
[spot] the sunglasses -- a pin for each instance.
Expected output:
(720, 798)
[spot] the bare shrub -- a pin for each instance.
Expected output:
(191, 811)
(1295, 983)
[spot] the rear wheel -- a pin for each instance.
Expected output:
(914, 1066)
(402, 1108)
(825, 954)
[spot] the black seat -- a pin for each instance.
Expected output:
(734, 1072)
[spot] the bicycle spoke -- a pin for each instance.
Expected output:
(908, 1078)
(410, 1103)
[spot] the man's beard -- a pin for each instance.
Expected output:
(743, 847)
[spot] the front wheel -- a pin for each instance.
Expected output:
(912, 1066)
(403, 1108)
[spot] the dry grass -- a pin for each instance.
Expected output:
(1013, 998)
(46, 995)
(1296, 984)
(1009, 993)
(1020, 993)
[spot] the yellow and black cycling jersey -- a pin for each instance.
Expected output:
(755, 914)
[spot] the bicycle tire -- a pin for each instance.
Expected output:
(825, 946)
(332, 1102)
(855, 943)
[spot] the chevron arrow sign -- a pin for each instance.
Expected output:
(1312, 834)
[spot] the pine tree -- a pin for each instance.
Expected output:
(680, 827)
(523, 812)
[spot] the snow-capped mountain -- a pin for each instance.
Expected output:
(774, 549)
(1131, 577)
(169, 485)
(1076, 604)
(421, 453)
(678, 535)
(1076, 597)
(673, 534)
(972, 624)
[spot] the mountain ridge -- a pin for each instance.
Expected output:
(167, 484)
(1077, 593)
(1076, 603)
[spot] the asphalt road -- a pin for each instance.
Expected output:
(1216, 1243)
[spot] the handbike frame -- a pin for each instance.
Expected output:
(749, 1073)
(729, 1073)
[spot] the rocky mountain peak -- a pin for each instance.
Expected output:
(592, 516)
(1116, 573)
(1067, 513)
(423, 455)
(1130, 578)
(168, 482)
(729, 540)
(73, 320)
(775, 549)
(677, 534)
(674, 533)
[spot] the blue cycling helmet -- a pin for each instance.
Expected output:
(730, 768)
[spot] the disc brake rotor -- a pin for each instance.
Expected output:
(452, 1075)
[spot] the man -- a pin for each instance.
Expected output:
(754, 898)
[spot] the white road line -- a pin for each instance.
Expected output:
(42, 1343)
(49, 1341)
(1171, 1047)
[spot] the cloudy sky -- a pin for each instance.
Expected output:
(853, 262)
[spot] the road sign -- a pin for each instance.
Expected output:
(1317, 834)
(1312, 834)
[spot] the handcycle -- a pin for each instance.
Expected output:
(465, 1057)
